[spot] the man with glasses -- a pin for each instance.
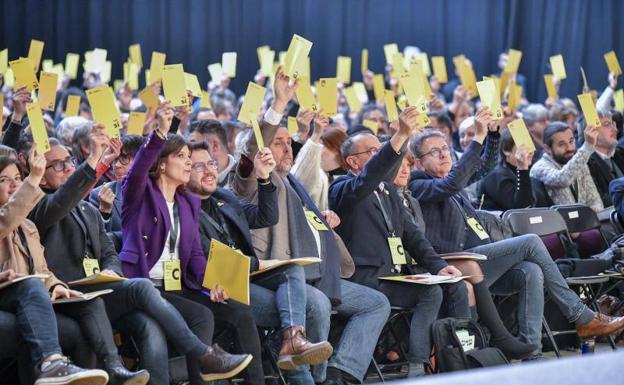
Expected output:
(607, 162)
(213, 133)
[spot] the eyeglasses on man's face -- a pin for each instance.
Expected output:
(436, 152)
(372, 151)
(62, 165)
(204, 166)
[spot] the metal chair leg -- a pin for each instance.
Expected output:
(550, 336)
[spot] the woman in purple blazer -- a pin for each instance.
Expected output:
(161, 241)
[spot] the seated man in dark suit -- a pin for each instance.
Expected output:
(371, 210)
(453, 225)
(607, 162)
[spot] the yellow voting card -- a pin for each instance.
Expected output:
(149, 98)
(266, 56)
(439, 69)
(254, 96)
(424, 62)
(378, 87)
(360, 91)
(558, 67)
(613, 63)
(104, 107)
(94, 60)
(550, 86)
(618, 97)
(135, 123)
(174, 85)
(4, 61)
(46, 65)
(398, 66)
(520, 134)
(229, 269)
(24, 74)
(228, 63)
(298, 50)
(389, 51)
(135, 54)
(305, 95)
(205, 100)
(422, 81)
(413, 91)
(589, 109)
(105, 75)
(256, 130)
(364, 61)
(1, 117)
(490, 97)
(293, 127)
(469, 79)
(216, 72)
(515, 96)
(73, 105)
(391, 107)
(9, 78)
(37, 127)
(328, 96)
(513, 61)
(343, 69)
(371, 124)
(47, 90)
(192, 84)
(352, 99)
(71, 65)
(34, 53)
(156, 66)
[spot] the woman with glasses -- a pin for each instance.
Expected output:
(161, 241)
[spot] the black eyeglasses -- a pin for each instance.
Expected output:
(203, 166)
(62, 165)
(436, 152)
(124, 159)
(371, 150)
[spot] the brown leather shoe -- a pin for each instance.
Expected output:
(297, 350)
(601, 325)
(217, 364)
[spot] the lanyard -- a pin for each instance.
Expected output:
(31, 263)
(173, 231)
(385, 214)
(222, 230)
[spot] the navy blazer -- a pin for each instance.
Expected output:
(363, 227)
(114, 222)
(616, 188)
(246, 216)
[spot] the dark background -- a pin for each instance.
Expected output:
(196, 32)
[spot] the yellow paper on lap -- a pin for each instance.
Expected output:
(229, 269)
(71, 65)
(364, 62)
(295, 57)
(104, 107)
(558, 67)
(73, 105)
(156, 66)
(439, 69)
(520, 134)
(315, 221)
(256, 130)
(328, 96)
(490, 97)
(513, 61)
(24, 74)
(343, 69)
(172, 275)
(135, 123)
(47, 90)
(391, 107)
(389, 51)
(477, 228)
(254, 96)
(91, 266)
(34, 53)
(618, 97)
(174, 85)
(305, 95)
(397, 251)
(379, 87)
(589, 109)
(613, 63)
(37, 126)
(135, 54)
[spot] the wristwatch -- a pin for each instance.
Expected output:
(264, 181)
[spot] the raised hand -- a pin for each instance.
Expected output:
(164, 116)
(107, 199)
(37, 163)
(99, 141)
(482, 122)
(21, 97)
(264, 163)
(283, 90)
(591, 134)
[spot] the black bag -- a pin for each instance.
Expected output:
(449, 353)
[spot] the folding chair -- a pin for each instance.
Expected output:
(582, 220)
(551, 225)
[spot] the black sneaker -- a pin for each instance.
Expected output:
(63, 372)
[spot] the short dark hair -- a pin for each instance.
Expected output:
(552, 129)
(6, 161)
(507, 145)
(130, 144)
(211, 127)
(195, 114)
(174, 144)
(443, 119)
(194, 146)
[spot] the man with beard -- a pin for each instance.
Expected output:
(563, 169)
(607, 163)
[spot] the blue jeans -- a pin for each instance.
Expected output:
(505, 254)
(288, 283)
(35, 320)
(526, 280)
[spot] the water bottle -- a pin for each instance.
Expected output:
(588, 346)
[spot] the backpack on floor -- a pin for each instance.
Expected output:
(461, 344)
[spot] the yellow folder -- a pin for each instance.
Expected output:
(104, 107)
(589, 109)
(156, 66)
(38, 128)
(328, 96)
(298, 50)
(96, 279)
(24, 74)
(520, 134)
(47, 90)
(254, 96)
(229, 269)
(174, 85)
(135, 123)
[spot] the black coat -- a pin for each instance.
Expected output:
(601, 173)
